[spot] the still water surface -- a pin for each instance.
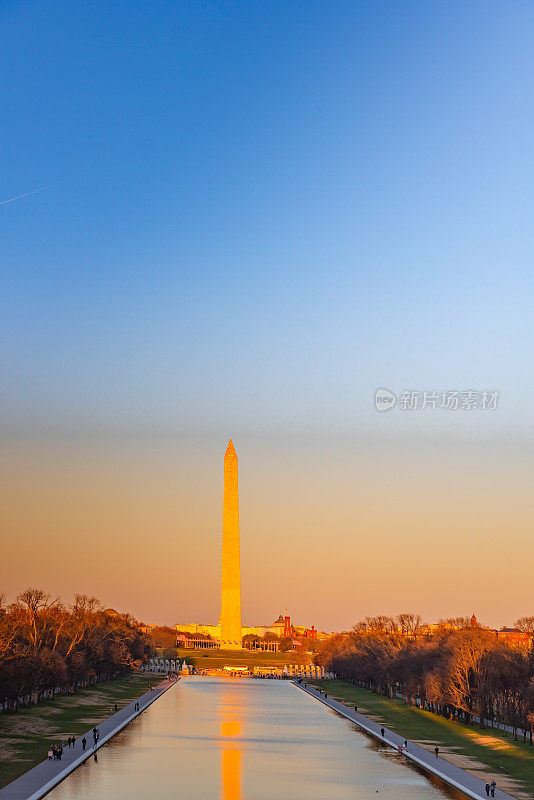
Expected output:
(245, 739)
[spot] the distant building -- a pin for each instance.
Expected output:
(281, 628)
(515, 637)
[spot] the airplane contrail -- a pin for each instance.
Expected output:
(35, 191)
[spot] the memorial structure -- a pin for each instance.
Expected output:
(228, 634)
(230, 619)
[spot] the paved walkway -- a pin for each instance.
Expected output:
(35, 783)
(454, 776)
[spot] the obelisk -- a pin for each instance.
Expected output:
(230, 620)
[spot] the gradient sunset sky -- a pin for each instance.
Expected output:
(255, 214)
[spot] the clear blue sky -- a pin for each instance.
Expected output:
(260, 211)
(257, 213)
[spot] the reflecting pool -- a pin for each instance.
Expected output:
(245, 739)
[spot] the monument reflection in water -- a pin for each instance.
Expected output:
(231, 750)
(244, 739)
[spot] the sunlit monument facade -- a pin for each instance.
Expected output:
(228, 633)
(230, 620)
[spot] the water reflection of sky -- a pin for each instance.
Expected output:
(243, 739)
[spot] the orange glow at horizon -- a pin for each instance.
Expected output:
(331, 530)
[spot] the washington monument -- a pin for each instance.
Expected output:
(230, 621)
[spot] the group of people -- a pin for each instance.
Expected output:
(490, 788)
(56, 751)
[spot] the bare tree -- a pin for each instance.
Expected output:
(409, 624)
(44, 644)
(525, 624)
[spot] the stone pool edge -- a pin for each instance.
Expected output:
(15, 789)
(447, 772)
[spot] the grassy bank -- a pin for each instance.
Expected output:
(468, 747)
(26, 736)
(215, 659)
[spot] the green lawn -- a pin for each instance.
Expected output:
(26, 736)
(496, 749)
(213, 659)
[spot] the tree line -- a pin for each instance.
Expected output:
(46, 645)
(459, 670)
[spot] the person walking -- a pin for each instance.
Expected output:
(487, 789)
(50, 754)
(382, 732)
(406, 744)
(116, 706)
(73, 741)
(436, 751)
(59, 753)
(493, 786)
(84, 743)
(69, 740)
